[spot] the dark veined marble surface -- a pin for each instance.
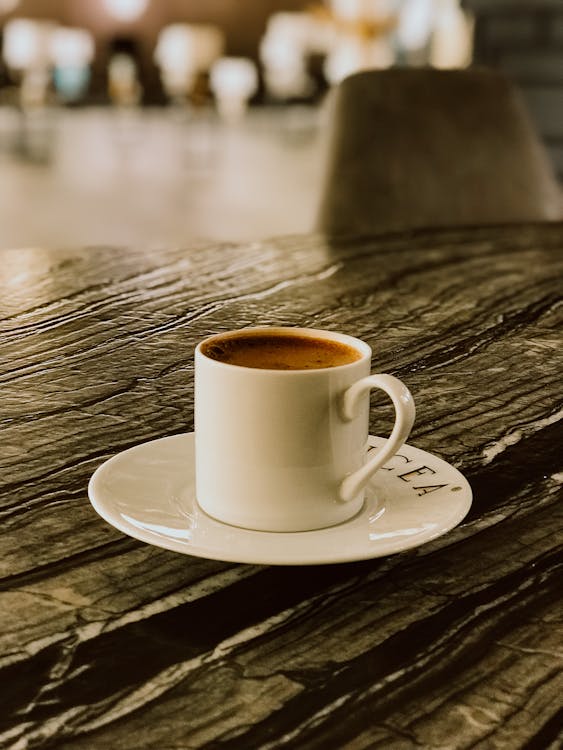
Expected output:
(109, 643)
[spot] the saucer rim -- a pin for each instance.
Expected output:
(335, 557)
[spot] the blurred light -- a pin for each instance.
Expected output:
(363, 38)
(362, 10)
(293, 27)
(289, 39)
(233, 81)
(183, 50)
(452, 42)
(126, 10)
(71, 47)
(352, 54)
(27, 43)
(7, 6)
(416, 21)
(183, 45)
(348, 10)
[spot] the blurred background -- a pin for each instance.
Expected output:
(154, 122)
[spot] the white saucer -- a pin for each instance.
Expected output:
(148, 493)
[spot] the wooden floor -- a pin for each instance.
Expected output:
(158, 178)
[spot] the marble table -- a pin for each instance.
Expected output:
(107, 642)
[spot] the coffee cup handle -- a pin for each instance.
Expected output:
(404, 419)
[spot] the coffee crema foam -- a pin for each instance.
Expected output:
(280, 351)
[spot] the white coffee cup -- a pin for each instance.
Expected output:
(286, 449)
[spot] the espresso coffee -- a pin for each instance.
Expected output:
(280, 351)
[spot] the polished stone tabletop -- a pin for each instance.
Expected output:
(109, 643)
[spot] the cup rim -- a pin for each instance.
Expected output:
(344, 338)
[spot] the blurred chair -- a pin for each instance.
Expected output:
(422, 147)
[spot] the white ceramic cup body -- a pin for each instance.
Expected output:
(273, 447)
